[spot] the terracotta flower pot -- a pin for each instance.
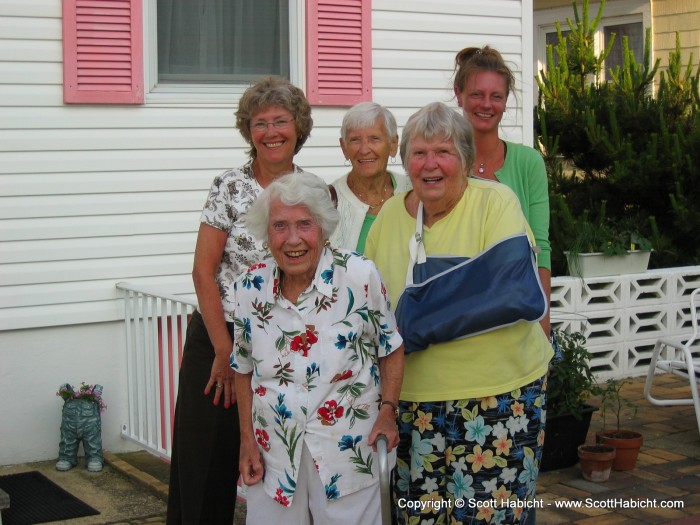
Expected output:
(596, 461)
(627, 444)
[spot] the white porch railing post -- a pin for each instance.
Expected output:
(155, 324)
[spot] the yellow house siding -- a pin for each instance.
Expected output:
(671, 17)
(674, 7)
(548, 4)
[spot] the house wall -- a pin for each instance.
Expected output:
(671, 17)
(667, 18)
(92, 195)
(34, 364)
(548, 4)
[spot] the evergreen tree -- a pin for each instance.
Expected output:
(620, 143)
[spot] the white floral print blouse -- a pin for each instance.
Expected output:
(315, 372)
(230, 196)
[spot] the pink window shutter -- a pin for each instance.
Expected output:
(338, 52)
(103, 52)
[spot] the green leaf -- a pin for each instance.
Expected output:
(361, 413)
(501, 461)
(351, 302)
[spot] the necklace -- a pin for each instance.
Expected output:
(364, 198)
(481, 169)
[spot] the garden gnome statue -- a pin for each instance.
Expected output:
(81, 422)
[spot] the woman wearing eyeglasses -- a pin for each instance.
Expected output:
(274, 118)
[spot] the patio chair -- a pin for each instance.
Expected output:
(682, 360)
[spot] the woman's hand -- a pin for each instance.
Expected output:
(391, 372)
(211, 243)
(222, 379)
(251, 463)
(385, 424)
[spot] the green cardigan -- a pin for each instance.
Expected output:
(523, 172)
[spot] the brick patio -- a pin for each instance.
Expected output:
(668, 470)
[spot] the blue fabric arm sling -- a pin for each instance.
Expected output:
(454, 297)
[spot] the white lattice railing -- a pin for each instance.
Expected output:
(155, 333)
(622, 316)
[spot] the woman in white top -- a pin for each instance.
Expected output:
(368, 138)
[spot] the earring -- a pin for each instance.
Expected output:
(347, 163)
(265, 245)
(393, 160)
(327, 243)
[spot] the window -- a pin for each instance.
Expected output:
(220, 41)
(552, 39)
(205, 50)
(623, 17)
(635, 40)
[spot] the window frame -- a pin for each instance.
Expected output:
(212, 92)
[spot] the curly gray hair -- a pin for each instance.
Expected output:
(294, 189)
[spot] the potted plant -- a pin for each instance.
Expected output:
(81, 422)
(606, 247)
(626, 442)
(569, 385)
(596, 461)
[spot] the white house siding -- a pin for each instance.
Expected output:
(92, 195)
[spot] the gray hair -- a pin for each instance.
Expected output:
(364, 115)
(294, 189)
(438, 121)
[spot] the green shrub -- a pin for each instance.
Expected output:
(617, 142)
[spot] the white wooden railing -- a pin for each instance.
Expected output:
(622, 316)
(155, 333)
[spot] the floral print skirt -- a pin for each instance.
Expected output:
(470, 460)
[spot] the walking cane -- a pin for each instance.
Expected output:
(384, 479)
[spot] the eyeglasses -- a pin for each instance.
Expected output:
(261, 125)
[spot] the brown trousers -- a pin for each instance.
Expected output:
(206, 441)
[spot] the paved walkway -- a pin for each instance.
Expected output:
(667, 472)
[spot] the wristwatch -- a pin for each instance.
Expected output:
(393, 405)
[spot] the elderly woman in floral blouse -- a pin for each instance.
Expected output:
(274, 118)
(319, 365)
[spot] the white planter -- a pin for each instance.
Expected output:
(598, 265)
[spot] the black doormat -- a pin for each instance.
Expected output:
(36, 499)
